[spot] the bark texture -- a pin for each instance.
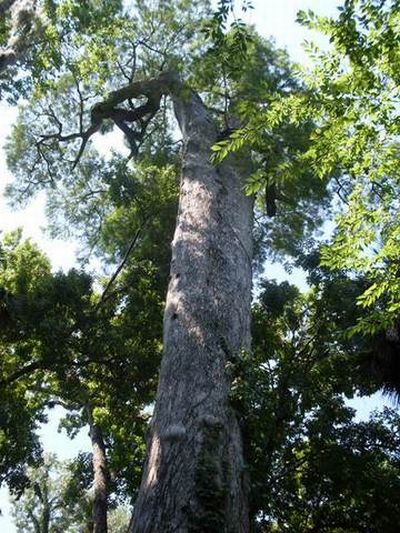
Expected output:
(194, 478)
(100, 477)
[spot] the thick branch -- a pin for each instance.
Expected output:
(23, 371)
(152, 89)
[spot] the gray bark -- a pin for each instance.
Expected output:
(194, 478)
(100, 476)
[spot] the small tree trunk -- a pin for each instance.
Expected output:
(100, 476)
(194, 478)
(45, 518)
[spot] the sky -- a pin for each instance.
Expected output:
(273, 18)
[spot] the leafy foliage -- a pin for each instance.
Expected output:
(312, 466)
(351, 97)
(63, 345)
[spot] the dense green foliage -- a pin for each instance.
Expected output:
(313, 467)
(352, 98)
(66, 346)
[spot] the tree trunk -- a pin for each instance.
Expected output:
(100, 476)
(45, 516)
(194, 478)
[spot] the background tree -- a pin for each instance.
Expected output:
(21, 412)
(20, 25)
(352, 98)
(351, 95)
(68, 346)
(58, 500)
(313, 467)
(38, 509)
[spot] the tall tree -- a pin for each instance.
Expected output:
(195, 476)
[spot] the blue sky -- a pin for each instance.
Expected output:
(274, 18)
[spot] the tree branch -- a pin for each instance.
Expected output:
(152, 89)
(27, 369)
(122, 264)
